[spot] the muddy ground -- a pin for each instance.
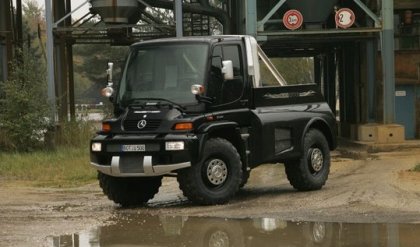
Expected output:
(374, 188)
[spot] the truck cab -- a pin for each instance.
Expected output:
(208, 110)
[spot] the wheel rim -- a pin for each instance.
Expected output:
(219, 239)
(318, 232)
(217, 172)
(316, 159)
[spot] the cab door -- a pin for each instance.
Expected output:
(231, 94)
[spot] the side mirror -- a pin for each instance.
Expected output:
(108, 91)
(227, 70)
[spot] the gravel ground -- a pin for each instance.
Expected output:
(373, 189)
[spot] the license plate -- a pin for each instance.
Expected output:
(133, 148)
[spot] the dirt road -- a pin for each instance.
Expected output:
(377, 188)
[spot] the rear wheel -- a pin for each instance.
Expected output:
(129, 192)
(310, 172)
(216, 178)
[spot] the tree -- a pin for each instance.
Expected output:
(24, 106)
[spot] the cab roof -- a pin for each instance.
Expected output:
(201, 39)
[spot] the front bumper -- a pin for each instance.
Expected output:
(153, 161)
(149, 170)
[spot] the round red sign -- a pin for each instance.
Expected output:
(344, 18)
(293, 19)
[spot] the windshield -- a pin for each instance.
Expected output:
(165, 72)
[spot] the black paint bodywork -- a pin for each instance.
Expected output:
(265, 125)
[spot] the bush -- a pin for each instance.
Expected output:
(24, 106)
(74, 134)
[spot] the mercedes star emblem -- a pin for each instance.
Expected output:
(141, 124)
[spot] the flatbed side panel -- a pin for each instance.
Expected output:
(282, 115)
(287, 95)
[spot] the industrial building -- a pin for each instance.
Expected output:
(365, 53)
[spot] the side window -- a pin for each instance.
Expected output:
(216, 77)
(232, 52)
(282, 71)
(269, 76)
(225, 92)
(217, 57)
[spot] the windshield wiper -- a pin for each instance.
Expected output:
(171, 103)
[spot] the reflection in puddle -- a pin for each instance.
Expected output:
(146, 230)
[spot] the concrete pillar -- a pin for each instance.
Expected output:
(178, 17)
(50, 58)
(251, 17)
(388, 60)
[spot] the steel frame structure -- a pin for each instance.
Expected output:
(382, 27)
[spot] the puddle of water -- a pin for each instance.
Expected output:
(147, 230)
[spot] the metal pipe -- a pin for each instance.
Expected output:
(69, 14)
(156, 12)
(81, 18)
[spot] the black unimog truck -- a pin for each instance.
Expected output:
(208, 110)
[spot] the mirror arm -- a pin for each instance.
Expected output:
(109, 72)
(108, 91)
(204, 99)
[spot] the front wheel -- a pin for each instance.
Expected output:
(129, 192)
(311, 171)
(216, 178)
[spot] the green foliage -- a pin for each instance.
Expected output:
(64, 167)
(295, 70)
(32, 20)
(74, 134)
(24, 106)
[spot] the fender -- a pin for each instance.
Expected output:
(331, 141)
(212, 126)
(206, 130)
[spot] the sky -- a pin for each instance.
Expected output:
(74, 4)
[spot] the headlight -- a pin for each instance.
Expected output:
(174, 146)
(96, 147)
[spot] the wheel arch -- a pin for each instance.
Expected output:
(327, 130)
(228, 131)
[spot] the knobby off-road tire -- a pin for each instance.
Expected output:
(129, 192)
(215, 179)
(310, 172)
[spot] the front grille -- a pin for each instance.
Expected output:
(131, 125)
